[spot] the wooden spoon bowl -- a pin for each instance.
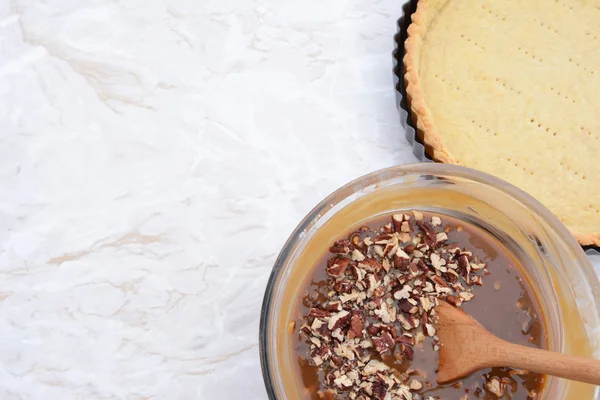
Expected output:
(466, 347)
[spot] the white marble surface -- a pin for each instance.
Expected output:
(154, 156)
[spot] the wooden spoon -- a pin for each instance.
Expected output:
(466, 346)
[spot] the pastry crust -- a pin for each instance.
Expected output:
(434, 140)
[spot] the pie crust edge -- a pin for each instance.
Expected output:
(421, 114)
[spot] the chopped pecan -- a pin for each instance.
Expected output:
(398, 220)
(466, 296)
(371, 265)
(438, 262)
(340, 247)
(403, 293)
(439, 281)
(342, 286)
(408, 353)
(388, 228)
(415, 385)
(454, 300)
(379, 389)
(378, 292)
(373, 329)
(424, 319)
(414, 270)
(429, 232)
(401, 259)
(383, 343)
(408, 322)
(422, 266)
(318, 313)
(386, 264)
(406, 339)
(496, 387)
(336, 266)
(430, 330)
(357, 324)
(391, 247)
(463, 263)
(407, 307)
(451, 276)
(476, 280)
(440, 239)
(383, 238)
(426, 303)
(357, 255)
(336, 320)
(334, 306)
(357, 242)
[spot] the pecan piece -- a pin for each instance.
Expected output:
(318, 313)
(406, 339)
(408, 353)
(371, 265)
(454, 300)
(336, 266)
(430, 330)
(400, 222)
(439, 281)
(407, 307)
(357, 324)
(379, 389)
(388, 228)
(373, 329)
(408, 322)
(476, 280)
(337, 320)
(342, 286)
(401, 259)
(440, 239)
(340, 247)
(357, 242)
(383, 343)
(384, 238)
(334, 306)
(430, 233)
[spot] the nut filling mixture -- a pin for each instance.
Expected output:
(367, 325)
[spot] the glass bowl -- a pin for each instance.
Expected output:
(557, 268)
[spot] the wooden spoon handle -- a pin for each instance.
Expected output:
(549, 363)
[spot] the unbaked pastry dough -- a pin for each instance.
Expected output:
(512, 88)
